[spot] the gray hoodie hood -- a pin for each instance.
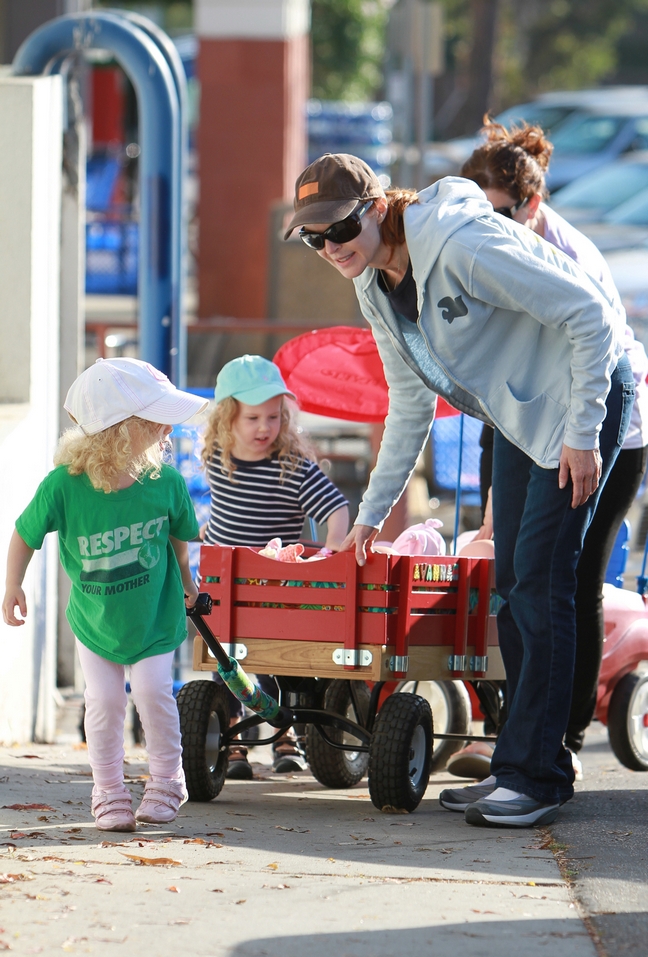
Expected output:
(443, 208)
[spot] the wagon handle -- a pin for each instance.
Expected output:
(281, 717)
(203, 606)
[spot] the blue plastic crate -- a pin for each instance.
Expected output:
(619, 557)
(111, 258)
(445, 454)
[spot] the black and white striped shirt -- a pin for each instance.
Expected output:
(257, 506)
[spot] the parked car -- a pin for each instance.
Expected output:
(587, 141)
(600, 125)
(593, 196)
(629, 268)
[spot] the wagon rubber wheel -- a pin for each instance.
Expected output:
(400, 753)
(204, 716)
(628, 721)
(334, 768)
(451, 714)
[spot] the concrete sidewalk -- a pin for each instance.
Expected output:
(278, 867)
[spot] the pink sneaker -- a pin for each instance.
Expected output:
(161, 801)
(113, 810)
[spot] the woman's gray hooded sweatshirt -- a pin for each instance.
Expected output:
(511, 330)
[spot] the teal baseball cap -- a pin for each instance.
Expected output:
(250, 379)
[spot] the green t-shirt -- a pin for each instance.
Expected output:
(127, 598)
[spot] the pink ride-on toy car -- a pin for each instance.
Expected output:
(622, 702)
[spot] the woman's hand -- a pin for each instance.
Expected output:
(584, 468)
(357, 540)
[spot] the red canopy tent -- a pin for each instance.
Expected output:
(337, 372)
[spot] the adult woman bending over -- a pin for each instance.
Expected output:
(472, 306)
(510, 168)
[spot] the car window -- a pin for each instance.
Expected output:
(634, 212)
(548, 117)
(587, 134)
(604, 188)
(640, 141)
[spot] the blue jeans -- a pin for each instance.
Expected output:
(538, 541)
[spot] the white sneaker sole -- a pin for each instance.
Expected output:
(544, 815)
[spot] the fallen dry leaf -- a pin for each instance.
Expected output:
(241, 901)
(152, 861)
(331, 860)
(273, 866)
(217, 890)
(200, 840)
(280, 827)
(102, 880)
(28, 807)
(174, 889)
(29, 756)
(12, 878)
(239, 829)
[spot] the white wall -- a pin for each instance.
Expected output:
(31, 115)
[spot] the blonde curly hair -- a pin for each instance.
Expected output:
(291, 445)
(132, 446)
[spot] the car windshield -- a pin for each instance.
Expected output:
(605, 188)
(587, 134)
(634, 212)
(548, 117)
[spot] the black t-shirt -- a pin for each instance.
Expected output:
(403, 297)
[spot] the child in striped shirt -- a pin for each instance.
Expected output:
(263, 485)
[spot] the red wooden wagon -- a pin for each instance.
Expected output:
(333, 634)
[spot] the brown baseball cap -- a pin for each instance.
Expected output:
(331, 188)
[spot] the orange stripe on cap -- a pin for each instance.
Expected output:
(308, 189)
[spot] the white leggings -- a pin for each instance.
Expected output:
(105, 699)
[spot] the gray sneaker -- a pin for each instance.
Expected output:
(520, 812)
(458, 799)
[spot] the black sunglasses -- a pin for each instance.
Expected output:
(339, 233)
(510, 211)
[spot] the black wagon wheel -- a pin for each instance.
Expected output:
(400, 753)
(628, 721)
(451, 714)
(334, 768)
(204, 716)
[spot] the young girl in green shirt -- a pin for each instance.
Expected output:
(123, 519)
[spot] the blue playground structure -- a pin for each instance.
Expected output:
(154, 67)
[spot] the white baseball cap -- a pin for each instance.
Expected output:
(113, 390)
